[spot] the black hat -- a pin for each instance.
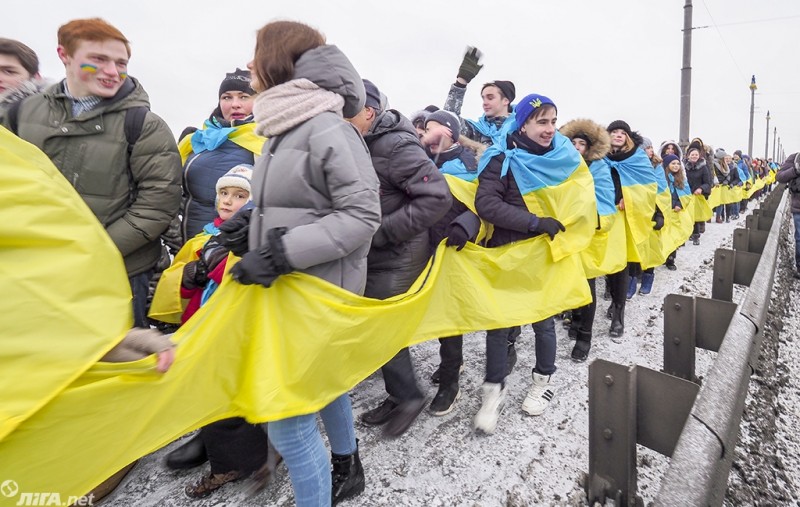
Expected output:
(238, 80)
(620, 124)
(447, 119)
(373, 95)
(506, 88)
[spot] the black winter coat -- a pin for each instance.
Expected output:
(697, 175)
(414, 196)
(459, 213)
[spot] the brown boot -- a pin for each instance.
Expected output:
(210, 483)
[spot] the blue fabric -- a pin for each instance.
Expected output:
(457, 168)
(603, 187)
(210, 137)
(211, 285)
(533, 172)
(634, 170)
(490, 130)
(661, 178)
(299, 442)
(744, 174)
(680, 191)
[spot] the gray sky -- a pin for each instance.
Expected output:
(595, 59)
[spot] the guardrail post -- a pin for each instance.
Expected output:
(732, 267)
(749, 240)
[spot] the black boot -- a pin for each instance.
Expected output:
(189, 455)
(583, 343)
(347, 476)
(617, 320)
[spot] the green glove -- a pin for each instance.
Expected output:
(470, 65)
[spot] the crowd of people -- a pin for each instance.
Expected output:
(302, 166)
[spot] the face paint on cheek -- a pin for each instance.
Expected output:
(89, 68)
(123, 75)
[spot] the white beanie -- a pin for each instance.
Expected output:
(238, 177)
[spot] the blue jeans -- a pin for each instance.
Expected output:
(497, 341)
(298, 440)
(140, 285)
(796, 217)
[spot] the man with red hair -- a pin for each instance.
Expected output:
(86, 123)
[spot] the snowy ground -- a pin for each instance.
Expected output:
(440, 461)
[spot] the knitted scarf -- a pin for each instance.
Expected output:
(287, 105)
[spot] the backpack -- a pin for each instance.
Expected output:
(134, 123)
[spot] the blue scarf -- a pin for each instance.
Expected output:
(490, 130)
(533, 172)
(210, 137)
(634, 170)
(457, 168)
(744, 174)
(680, 192)
(211, 286)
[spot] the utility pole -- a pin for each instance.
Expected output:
(774, 137)
(766, 146)
(753, 89)
(686, 76)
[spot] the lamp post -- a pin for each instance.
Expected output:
(766, 146)
(753, 89)
(686, 75)
(774, 137)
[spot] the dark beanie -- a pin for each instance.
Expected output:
(447, 119)
(581, 135)
(738, 153)
(373, 95)
(619, 124)
(668, 159)
(238, 80)
(506, 87)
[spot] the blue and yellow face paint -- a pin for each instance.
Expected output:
(89, 68)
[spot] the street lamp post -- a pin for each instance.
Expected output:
(753, 89)
(774, 137)
(686, 76)
(766, 146)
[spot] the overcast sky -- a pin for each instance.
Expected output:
(595, 59)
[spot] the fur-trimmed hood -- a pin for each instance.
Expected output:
(599, 140)
(679, 154)
(23, 91)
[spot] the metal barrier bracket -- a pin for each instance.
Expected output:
(732, 267)
(749, 240)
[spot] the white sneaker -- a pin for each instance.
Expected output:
(540, 395)
(494, 400)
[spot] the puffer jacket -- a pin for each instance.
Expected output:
(317, 180)
(790, 171)
(414, 196)
(200, 175)
(698, 176)
(92, 153)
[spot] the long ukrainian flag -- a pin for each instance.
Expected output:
(606, 253)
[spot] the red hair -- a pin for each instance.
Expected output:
(93, 29)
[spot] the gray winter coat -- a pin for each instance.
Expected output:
(91, 151)
(414, 196)
(317, 180)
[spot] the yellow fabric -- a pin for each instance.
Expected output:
(464, 191)
(66, 296)
(640, 204)
(755, 187)
(167, 305)
(605, 254)
(572, 203)
(263, 354)
(267, 354)
(244, 136)
(699, 208)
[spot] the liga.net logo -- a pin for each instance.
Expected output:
(10, 489)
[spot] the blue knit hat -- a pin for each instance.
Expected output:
(668, 159)
(528, 105)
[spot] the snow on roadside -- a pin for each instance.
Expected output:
(440, 461)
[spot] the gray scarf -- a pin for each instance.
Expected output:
(287, 105)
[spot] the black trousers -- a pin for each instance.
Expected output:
(618, 286)
(451, 354)
(235, 444)
(399, 378)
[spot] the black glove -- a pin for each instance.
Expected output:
(658, 218)
(234, 232)
(549, 226)
(470, 65)
(194, 275)
(458, 237)
(213, 253)
(264, 265)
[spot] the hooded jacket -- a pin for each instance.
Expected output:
(414, 196)
(599, 140)
(317, 180)
(134, 196)
(789, 171)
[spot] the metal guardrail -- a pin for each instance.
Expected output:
(668, 411)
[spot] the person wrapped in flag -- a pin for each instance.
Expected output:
(517, 189)
(699, 179)
(606, 253)
(635, 188)
(681, 222)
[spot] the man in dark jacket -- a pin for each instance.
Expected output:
(80, 124)
(790, 173)
(414, 196)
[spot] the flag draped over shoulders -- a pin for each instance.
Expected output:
(605, 254)
(243, 135)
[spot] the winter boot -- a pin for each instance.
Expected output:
(191, 454)
(380, 414)
(575, 324)
(695, 239)
(720, 219)
(632, 288)
(617, 321)
(610, 311)
(647, 283)
(403, 417)
(494, 400)
(540, 395)
(445, 399)
(583, 343)
(347, 476)
(436, 376)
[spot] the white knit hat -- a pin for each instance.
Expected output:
(239, 177)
